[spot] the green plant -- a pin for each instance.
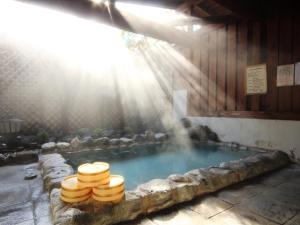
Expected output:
(42, 136)
(128, 130)
(98, 131)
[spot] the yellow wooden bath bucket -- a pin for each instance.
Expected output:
(93, 174)
(71, 192)
(111, 192)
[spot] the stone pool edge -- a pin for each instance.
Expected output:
(156, 194)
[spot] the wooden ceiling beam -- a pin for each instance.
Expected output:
(199, 12)
(246, 9)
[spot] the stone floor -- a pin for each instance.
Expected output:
(268, 200)
(22, 202)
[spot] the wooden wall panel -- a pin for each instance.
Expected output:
(272, 60)
(231, 68)
(296, 56)
(254, 58)
(204, 73)
(241, 65)
(227, 49)
(194, 90)
(212, 91)
(221, 68)
(285, 57)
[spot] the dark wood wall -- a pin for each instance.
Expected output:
(217, 86)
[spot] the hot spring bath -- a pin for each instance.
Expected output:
(144, 163)
(157, 177)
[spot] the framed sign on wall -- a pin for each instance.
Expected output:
(297, 73)
(285, 75)
(256, 79)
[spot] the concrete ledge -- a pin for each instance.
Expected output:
(24, 157)
(157, 194)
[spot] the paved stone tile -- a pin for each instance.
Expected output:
(268, 207)
(271, 181)
(291, 173)
(181, 217)
(238, 216)
(28, 222)
(14, 194)
(37, 187)
(17, 214)
(294, 221)
(290, 188)
(143, 221)
(209, 206)
(11, 175)
(42, 208)
(44, 220)
(285, 196)
(238, 193)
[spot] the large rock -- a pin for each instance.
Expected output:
(49, 146)
(54, 170)
(149, 135)
(87, 141)
(75, 143)
(30, 174)
(53, 176)
(126, 141)
(62, 145)
(160, 136)
(186, 123)
(103, 141)
(198, 133)
(211, 135)
(50, 161)
(139, 138)
(115, 141)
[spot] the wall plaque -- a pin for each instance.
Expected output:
(297, 73)
(285, 75)
(256, 79)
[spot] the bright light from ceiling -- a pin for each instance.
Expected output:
(99, 2)
(151, 13)
(67, 36)
(96, 1)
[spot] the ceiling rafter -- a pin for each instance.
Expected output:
(200, 12)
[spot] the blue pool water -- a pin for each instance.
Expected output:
(141, 164)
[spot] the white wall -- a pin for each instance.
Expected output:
(179, 104)
(271, 134)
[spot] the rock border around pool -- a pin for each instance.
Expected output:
(155, 195)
